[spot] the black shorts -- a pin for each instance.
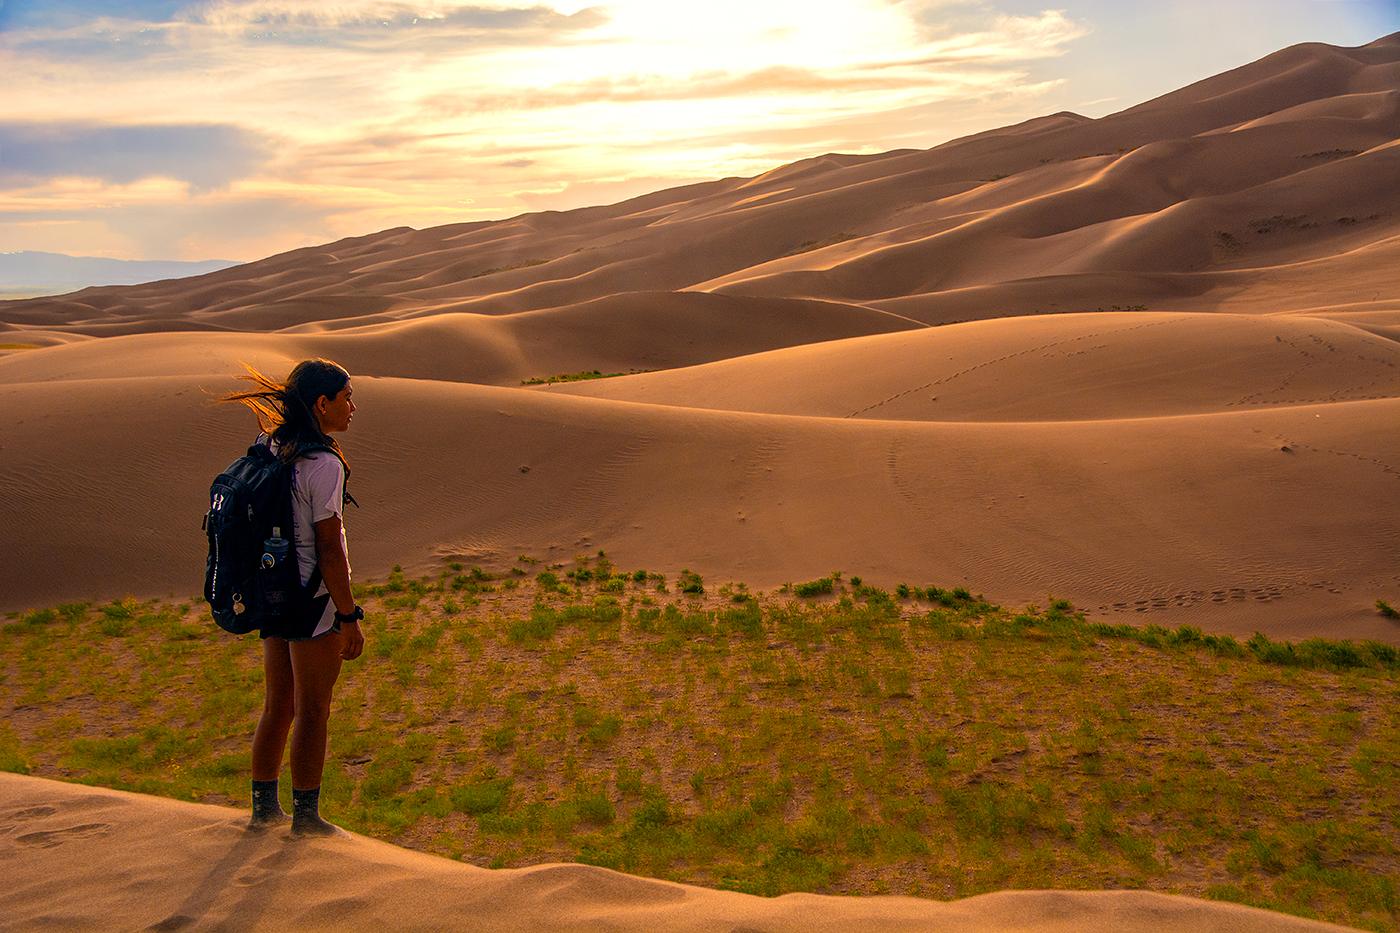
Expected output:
(301, 628)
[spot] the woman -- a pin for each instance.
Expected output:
(302, 661)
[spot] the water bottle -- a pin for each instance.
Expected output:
(272, 571)
(275, 549)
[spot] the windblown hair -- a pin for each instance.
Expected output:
(286, 411)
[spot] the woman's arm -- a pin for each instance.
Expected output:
(335, 571)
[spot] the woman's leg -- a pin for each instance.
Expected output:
(279, 704)
(271, 736)
(315, 667)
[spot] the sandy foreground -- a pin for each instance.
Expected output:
(79, 857)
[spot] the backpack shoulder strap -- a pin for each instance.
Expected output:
(318, 448)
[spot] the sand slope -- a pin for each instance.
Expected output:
(1204, 518)
(1147, 362)
(1051, 368)
(77, 857)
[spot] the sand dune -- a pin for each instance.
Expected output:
(1257, 517)
(80, 856)
(1051, 368)
(1210, 445)
(621, 333)
(1304, 134)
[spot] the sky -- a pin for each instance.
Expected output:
(237, 129)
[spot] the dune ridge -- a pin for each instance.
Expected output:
(91, 854)
(1301, 142)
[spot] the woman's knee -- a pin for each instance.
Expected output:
(279, 706)
(312, 709)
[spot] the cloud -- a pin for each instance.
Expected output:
(240, 226)
(213, 225)
(377, 24)
(205, 155)
(130, 31)
(779, 79)
(337, 116)
(45, 14)
(587, 193)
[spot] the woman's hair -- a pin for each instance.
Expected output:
(286, 411)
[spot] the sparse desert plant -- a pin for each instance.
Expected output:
(690, 582)
(815, 587)
(577, 377)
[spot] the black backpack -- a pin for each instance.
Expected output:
(251, 578)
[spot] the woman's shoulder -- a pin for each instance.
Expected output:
(321, 463)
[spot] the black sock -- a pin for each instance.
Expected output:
(265, 805)
(306, 815)
(306, 804)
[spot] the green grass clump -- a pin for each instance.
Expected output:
(921, 742)
(1387, 610)
(818, 587)
(483, 795)
(576, 377)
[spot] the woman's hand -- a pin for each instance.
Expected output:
(352, 641)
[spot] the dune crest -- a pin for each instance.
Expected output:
(1285, 160)
(81, 856)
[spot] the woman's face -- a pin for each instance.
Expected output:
(334, 414)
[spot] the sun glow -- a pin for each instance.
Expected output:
(372, 113)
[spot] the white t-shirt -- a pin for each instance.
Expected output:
(318, 492)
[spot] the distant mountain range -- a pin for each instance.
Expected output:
(28, 273)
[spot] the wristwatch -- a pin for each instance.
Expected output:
(354, 615)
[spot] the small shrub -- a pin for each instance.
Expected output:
(487, 795)
(594, 807)
(124, 609)
(690, 582)
(499, 739)
(653, 811)
(816, 587)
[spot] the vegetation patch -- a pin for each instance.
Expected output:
(577, 377)
(806, 246)
(909, 739)
(526, 264)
